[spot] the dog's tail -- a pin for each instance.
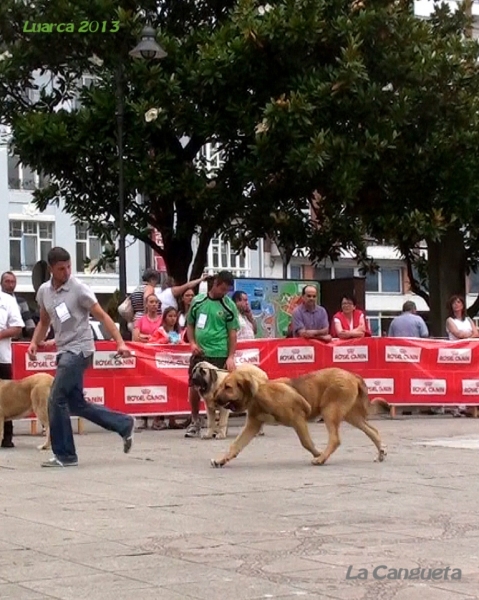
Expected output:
(378, 406)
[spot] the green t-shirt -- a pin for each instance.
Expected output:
(212, 320)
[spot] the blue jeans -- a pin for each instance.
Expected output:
(66, 398)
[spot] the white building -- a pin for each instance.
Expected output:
(31, 234)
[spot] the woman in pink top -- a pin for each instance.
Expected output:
(146, 325)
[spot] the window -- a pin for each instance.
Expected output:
(387, 281)
(391, 281)
(473, 282)
(343, 272)
(372, 282)
(30, 242)
(21, 177)
(86, 81)
(222, 257)
(296, 272)
(89, 249)
(374, 321)
(322, 273)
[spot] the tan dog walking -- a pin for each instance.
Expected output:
(335, 394)
(20, 398)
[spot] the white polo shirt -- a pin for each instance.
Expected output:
(166, 298)
(9, 317)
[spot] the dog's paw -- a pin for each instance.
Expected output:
(381, 456)
(42, 447)
(216, 464)
(209, 435)
(220, 435)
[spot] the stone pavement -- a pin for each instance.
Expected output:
(160, 523)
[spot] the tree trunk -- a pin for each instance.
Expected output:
(447, 276)
(177, 254)
(201, 258)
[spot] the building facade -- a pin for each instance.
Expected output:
(31, 234)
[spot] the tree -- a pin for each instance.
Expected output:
(372, 126)
(165, 123)
(336, 120)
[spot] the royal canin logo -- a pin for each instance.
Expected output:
(292, 355)
(428, 387)
(108, 360)
(146, 395)
(401, 354)
(250, 356)
(454, 356)
(380, 386)
(95, 395)
(45, 361)
(172, 360)
(470, 387)
(350, 354)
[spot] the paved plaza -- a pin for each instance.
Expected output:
(161, 524)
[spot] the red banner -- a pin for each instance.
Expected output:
(154, 380)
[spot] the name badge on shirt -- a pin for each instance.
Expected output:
(201, 321)
(62, 312)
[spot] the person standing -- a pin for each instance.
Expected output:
(408, 324)
(170, 292)
(11, 324)
(8, 283)
(248, 326)
(67, 303)
(310, 321)
(212, 325)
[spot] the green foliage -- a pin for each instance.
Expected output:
(112, 306)
(337, 121)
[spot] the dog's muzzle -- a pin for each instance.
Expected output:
(230, 405)
(199, 383)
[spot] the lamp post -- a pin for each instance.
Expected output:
(147, 49)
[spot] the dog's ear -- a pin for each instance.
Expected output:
(213, 376)
(248, 385)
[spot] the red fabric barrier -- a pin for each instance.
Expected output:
(154, 380)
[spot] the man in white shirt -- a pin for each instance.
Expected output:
(11, 325)
(248, 325)
(168, 295)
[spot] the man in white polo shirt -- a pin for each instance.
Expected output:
(67, 303)
(11, 324)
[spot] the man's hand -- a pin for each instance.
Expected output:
(195, 349)
(32, 351)
(123, 350)
(325, 338)
(230, 364)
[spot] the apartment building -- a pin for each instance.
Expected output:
(31, 234)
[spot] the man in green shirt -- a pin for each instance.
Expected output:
(212, 325)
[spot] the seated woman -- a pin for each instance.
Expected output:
(459, 327)
(350, 321)
(146, 325)
(169, 330)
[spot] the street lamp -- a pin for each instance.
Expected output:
(148, 49)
